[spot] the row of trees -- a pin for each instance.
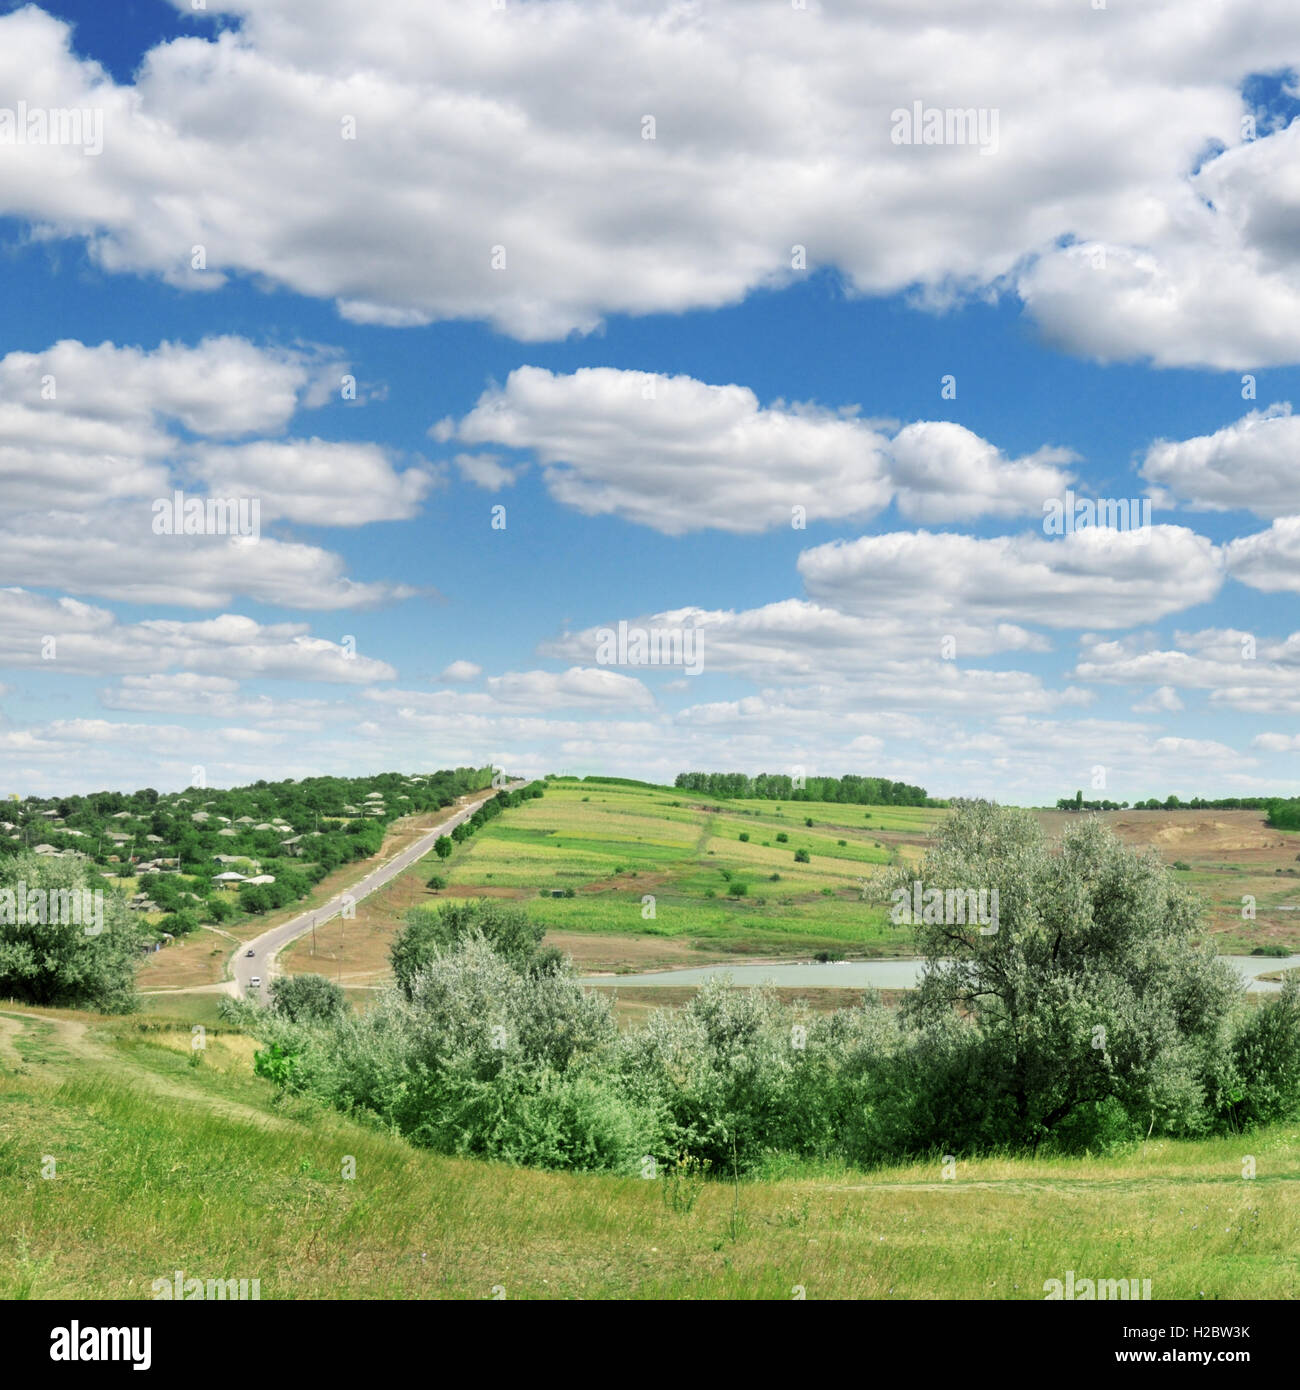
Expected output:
(773, 786)
(1086, 1018)
(1197, 803)
(491, 808)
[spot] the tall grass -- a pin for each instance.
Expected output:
(145, 1187)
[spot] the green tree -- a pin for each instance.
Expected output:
(253, 897)
(307, 999)
(219, 907)
(443, 846)
(47, 955)
(430, 932)
(1079, 984)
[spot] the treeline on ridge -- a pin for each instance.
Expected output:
(777, 786)
(1283, 812)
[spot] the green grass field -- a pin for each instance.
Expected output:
(616, 845)
(613, 845)
(161, 1164)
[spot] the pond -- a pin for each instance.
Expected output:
(872, 974)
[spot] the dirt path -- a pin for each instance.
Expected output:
(9, 1056)
(76, 1038)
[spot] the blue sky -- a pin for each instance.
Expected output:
(1098, 286)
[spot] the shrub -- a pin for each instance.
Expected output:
(801, 856)
(180, 923)
(276, 1063)
(1265, 1061)
(477, 1057)
(219, 907)
(781, 837)
(254, 897)
(737, 889)
(548, 960)
(744, 835)
(504, 926)
(307, 998)
(437, 881)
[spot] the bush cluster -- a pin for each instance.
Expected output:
(1087, 1019)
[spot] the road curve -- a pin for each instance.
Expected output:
(264, 947)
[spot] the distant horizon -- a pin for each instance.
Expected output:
(666, 786)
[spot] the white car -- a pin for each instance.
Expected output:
(254, 981)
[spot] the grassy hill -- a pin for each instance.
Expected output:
(611, 845)
(164, 1164)
(170, 1158)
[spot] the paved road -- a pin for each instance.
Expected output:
(265, 947)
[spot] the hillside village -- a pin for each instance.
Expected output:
(209, 856)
